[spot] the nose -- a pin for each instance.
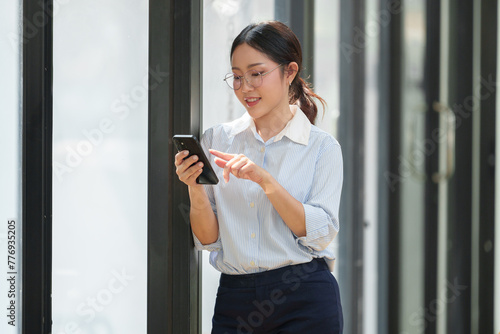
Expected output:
(244, 83)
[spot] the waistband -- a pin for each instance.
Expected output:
(284, 274)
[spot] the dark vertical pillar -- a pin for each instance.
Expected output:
(37, 167)
(487, 242)
(390, 149)
(299, 16)
(351, 137)
(460, 83)
(174, 108)
(432, 91)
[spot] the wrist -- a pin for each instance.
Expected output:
(195, 188)
(268, 184)
(198, 198)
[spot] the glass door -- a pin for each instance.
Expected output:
(412, 170)
(100, 140)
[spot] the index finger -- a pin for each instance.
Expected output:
(222, 155)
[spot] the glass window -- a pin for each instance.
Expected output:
(100, 167)
(326, 62)
(412, 173)
(10, 155)
(222, 21)
(374, 23)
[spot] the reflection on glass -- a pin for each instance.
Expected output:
(326, 62)
(10, 156)
(411, 267)
(222, 21)
(100, 167)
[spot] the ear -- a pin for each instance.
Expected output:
(291, 71)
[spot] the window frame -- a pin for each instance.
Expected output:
(37, 167)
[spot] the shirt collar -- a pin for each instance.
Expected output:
(297, 129)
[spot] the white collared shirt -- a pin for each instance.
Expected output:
(307, 162)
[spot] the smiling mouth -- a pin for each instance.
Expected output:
(252, 99)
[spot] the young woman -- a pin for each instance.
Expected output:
(269, 226)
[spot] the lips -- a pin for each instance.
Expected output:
(252, 101)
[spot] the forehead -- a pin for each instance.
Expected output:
(244, 57)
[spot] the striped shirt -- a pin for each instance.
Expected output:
(307, 162)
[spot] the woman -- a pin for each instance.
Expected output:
(269, 227)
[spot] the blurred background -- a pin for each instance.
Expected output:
(411, 92)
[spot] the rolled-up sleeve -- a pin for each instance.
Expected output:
(216, 246)
(322, 205)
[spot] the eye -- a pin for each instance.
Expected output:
(256, 74)
(236, 77)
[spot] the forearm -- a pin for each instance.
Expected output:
(203, 220)
(289, 209)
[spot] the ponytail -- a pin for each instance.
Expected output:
(302, 95)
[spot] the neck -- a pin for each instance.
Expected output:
(272, 124)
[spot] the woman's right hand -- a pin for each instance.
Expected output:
(187, 173)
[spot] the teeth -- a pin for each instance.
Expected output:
(253, 99)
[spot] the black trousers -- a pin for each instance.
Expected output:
(301, 298)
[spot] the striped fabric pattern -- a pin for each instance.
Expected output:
(307, 162)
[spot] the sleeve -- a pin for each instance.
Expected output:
(217, 245)
(322, 206)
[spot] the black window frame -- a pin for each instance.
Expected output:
(37, 167)
(488, 71)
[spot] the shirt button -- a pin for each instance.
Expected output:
(253, 235)
(252, 204)
(262, 149)
(252, 263)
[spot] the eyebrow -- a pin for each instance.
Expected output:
(249, 66)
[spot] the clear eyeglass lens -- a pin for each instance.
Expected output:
(252, 77)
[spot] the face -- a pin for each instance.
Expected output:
(269, 98)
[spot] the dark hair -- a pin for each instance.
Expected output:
(279, 43)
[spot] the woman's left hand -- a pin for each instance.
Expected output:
(240, 166)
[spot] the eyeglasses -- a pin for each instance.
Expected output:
(252, 77)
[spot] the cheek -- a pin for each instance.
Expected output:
(238, 95)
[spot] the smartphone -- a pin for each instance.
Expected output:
(191, 143)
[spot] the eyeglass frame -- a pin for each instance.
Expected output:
(228, 77)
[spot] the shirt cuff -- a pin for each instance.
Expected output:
(320, 228)
(216, 246)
